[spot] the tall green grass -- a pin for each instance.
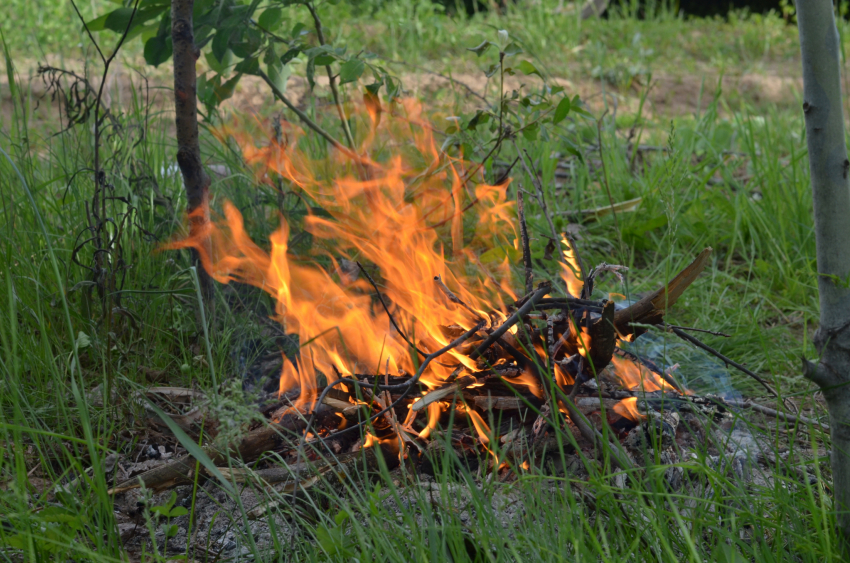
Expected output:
(58, 422)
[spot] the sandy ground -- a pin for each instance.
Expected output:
(669, 94)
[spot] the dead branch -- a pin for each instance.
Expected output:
(652, 308)
(255, 443)
(526, 249)
(699, 344)
(387, 309)
(542, 290)
(787, 417)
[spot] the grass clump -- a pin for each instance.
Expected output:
(729, 172)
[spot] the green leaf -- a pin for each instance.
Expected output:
(83, 340)
(310, 71)
(220, 43)
(299, 29)
(492, 70)
(323, 59)
(576, 107)
(375, 87)
(98, 24)
(512, 49)
(225, 91)
(480, 49)
(528, 68)
(193, 448)
(279, 75)
(119, 19)
(219, 66)
(171, 531)
(562, 110)
(178, 511)
(251, 65)
(481, 117)
(530, 132)
(157, 50)
(351, 70)
(271, 19)
(289, 55)
(251, 41)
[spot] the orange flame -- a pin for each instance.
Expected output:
(636, 376)
(391, 215)
(570, 268)
(627, 408)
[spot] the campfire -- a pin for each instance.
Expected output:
(404, 338)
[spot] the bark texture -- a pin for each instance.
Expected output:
(195, 179)
(829, 168)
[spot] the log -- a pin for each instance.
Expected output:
(254, 444)
(652, 308)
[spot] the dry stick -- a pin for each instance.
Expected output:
(387, 309)
(512, 320)
(566, 302)
(685, 336)
(452, 297)
(406, 387)
(792, 418)
(100, 183)
(714, 332)
(331, 79)
(526, 248)
(538, 186)
(307, 121)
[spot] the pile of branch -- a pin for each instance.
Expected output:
(550, 356)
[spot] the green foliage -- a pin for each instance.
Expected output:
(732, 176)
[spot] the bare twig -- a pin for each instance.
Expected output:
(714, 332)
(331, 78)
(387, 309)
(792, 418)
(405, 387)
(452, 297)
(306, 119)
(512, 320)
(538, 186)
(685, 336)
(526, 247)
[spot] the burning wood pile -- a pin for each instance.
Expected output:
(440, 345)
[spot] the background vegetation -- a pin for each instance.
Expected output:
(716, 101)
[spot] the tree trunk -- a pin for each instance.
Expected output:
(829, 168)
(195, 179)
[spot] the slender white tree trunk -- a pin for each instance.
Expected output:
(829, 168)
